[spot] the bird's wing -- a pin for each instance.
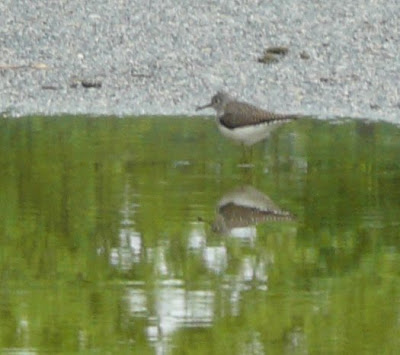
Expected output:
(241, 114)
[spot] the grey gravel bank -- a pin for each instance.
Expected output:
(167, 56)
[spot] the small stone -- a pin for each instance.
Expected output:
(325, 80)
(87, 83)
(277, 50)
(304, 55)
(268, 58)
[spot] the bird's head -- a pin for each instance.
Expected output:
(218, 101)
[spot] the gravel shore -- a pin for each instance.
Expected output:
(166, 57)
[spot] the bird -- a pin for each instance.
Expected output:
(243, 122)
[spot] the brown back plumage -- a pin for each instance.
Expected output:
(240, 114)
(241, 216)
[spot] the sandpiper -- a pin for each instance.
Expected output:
(243, 122)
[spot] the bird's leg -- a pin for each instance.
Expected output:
(247, 155)
(250, 151)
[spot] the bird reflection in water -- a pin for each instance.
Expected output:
(245, 207)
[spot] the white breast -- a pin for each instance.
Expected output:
(249, 135)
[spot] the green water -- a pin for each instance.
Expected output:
(108, 238)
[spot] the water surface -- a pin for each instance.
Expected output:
(157, 235)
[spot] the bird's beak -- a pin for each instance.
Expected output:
(198, 108)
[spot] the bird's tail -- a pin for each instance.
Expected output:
(285, 118)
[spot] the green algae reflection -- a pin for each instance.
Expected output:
(148, 235)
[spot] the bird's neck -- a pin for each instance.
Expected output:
(220, 111)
